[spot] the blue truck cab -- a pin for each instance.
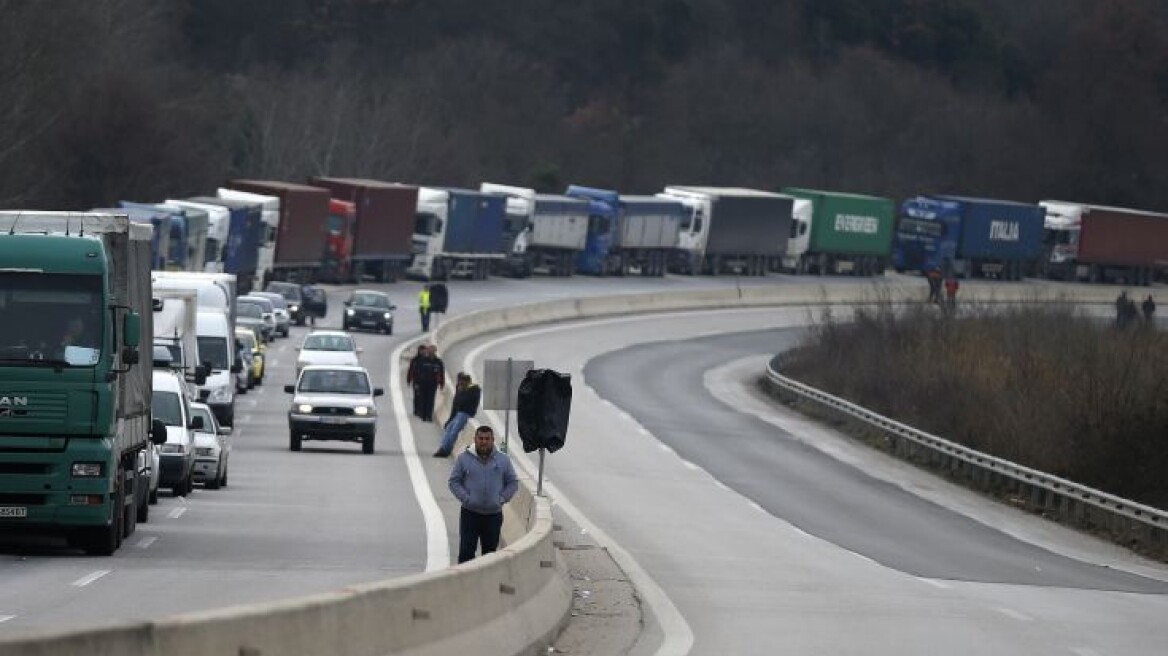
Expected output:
(965, 237)
(603, 212)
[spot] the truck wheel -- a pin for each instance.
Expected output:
(294, 441)
(144, 509)
(367, 444)
(153, 497)
(105, 540)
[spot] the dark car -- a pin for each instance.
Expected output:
(369, 310)
(291, 293)
(315, 302)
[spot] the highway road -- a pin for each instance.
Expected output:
(685, 473)
(769, 534)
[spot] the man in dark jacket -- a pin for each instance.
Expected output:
(429, 375)
(412, 378)
(465, 405)
(482, 480)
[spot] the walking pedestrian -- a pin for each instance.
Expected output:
(951, 287)
(466, 403)
(412, 378)
(482, 480)
(1149, 308)
(1121, 310)
(424, 307)
(430, 375)
(934, 278)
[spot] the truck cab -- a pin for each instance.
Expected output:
(927, 234)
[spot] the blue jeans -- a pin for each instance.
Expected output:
(453, 428)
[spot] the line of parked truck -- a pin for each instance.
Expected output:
(351, 229)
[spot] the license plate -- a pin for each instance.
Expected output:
(332, 420)
(13, 511)
(369, 322)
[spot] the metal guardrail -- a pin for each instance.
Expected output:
(1145, 525)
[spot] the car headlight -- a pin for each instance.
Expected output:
(173, 448)
(87, 469)
(388, 316)
(361, 411)
(220, 394)
(293, 308)
(204, 451)
(350, 312)
(304, 408)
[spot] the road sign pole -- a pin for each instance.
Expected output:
(507, 412)
(539, 485)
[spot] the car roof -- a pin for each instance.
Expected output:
(195, 405)
(328, 333)
(166, 381)
(336, 367)
(254, 299)
(369, 291)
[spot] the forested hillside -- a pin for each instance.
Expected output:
(144, 99)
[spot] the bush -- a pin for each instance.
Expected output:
(1041, 385)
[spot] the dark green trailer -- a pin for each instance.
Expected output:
(847, 233)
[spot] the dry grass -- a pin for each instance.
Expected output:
(1040, 385)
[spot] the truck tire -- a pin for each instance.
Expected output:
(144, 508)
(104, 540)
(294, 441)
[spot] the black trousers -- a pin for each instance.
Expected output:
(417, 400)
(473, 529)
(425, 314)
(424, 396)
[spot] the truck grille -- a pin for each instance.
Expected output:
(42, 406)
(24, 468)
(17, 499)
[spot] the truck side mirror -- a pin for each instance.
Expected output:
(158, 432)
(289, 389)
(196, 423)
(130, 355)
(131, 329)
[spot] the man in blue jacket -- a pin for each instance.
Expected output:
(482, 480)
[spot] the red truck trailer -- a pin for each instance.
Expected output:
(382, 233)
(1105, 244)
(306, 244)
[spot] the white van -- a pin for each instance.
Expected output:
(217, 348)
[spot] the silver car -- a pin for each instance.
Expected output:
(333, 402)
(212, 449)
(280, 308)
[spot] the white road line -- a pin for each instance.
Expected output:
(176, 513)
(1010, 612)
(754, 504)
(437, 546)
(1084, 651)
(689, 465)
(145, 543)
(678, 636)
(5, 618)
(90, 578)
(643, 431)
(935, 583)
(665, 447)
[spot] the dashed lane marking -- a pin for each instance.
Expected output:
(145, 543)
(1011, 613)
(176, 513)
(90, 578)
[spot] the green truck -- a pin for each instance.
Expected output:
(834, 232)
(75, 422)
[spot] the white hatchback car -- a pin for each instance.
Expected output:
(212, 448)
(327, 347)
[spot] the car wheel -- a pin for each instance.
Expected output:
(178, 490)
(294, 441)
(153, 497)
(213, 483)
(367, 444)
(223, 481)
(389, 328)
(144, 510)
(251, 381)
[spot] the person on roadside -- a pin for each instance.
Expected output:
(466, 403)
(951, 287)
(482, 480)
(412, 378)
(424, 307)
(430, 375)
(1149, 308)
(934, 278)
(1121, 310)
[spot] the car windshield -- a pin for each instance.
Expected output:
(277, 301)
(265, 304)
(60, 319)
(248, 339)
(328, 343)
(289, 291)
(208, 420)
(214, 350)
(249, 310)
(167, 408)
(371, 300)
(334, 381)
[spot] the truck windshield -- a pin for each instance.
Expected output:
(426, 223)
(910, 226)
(50, 318)
(214, 350)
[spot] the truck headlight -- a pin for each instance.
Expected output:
(220, 395)
(304, 408)
(361, 411)
(173, 448)
(87, 469)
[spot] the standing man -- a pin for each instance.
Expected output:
(1149, 308)
(482, 480)
(934, 277)
(429, 375)
(465, 405)
(424, 307)
(412, 378)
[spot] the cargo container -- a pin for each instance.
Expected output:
(729, 229)
(458, 232)
(270, 215)
(188, 251)
(245, 233)
(217, 231)
(847, 233)
(157, 221)
(305, 245)
(1097, 243)
(966, 237)
(75, 400)
(383, 230)
(628, 234)
(542, 233)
